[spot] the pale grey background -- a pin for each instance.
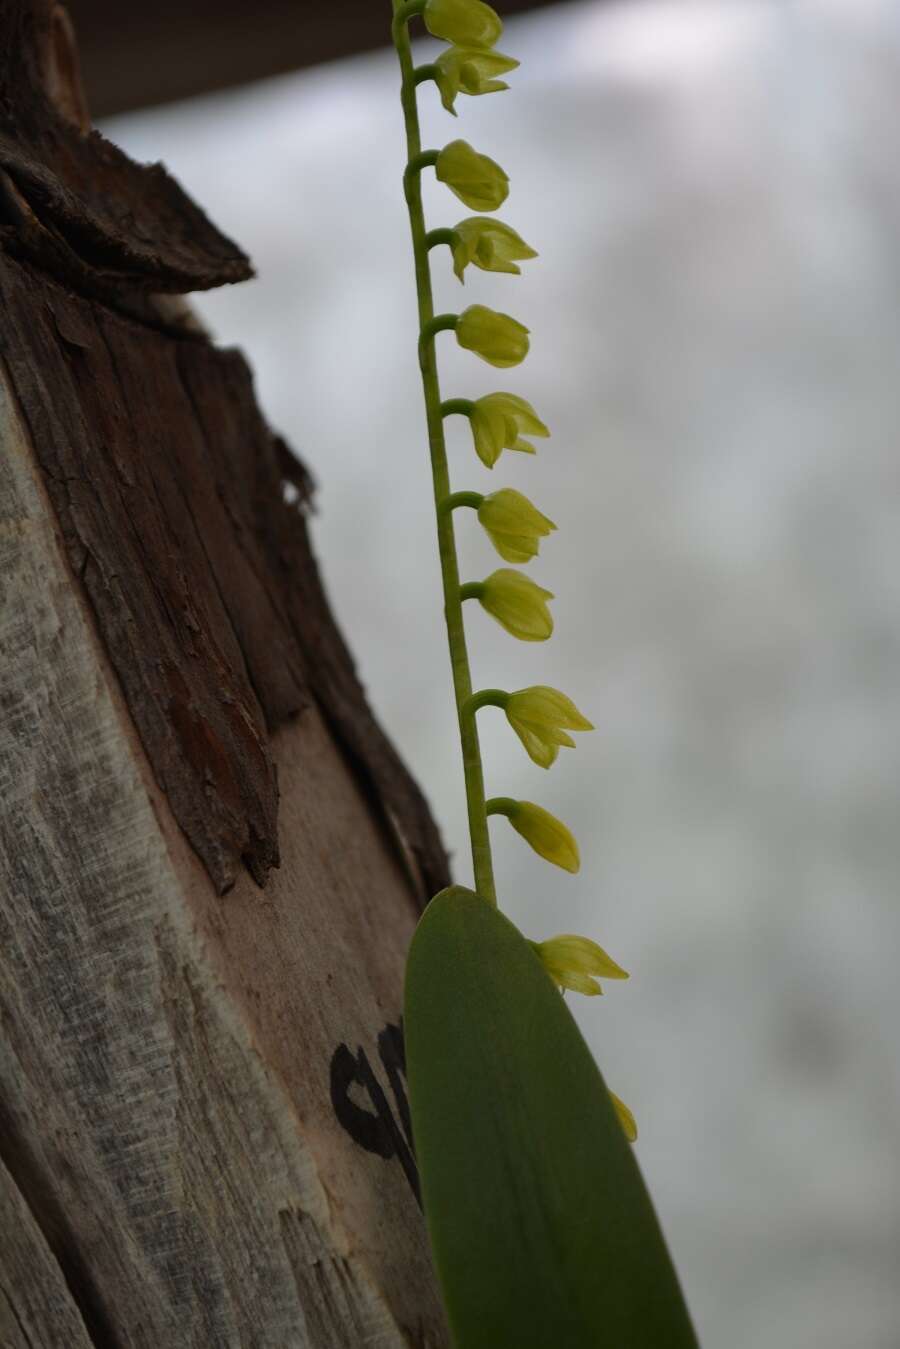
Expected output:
(714, 189)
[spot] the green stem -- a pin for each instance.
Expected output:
(487, 698)
(472, 590)
(435, 237)
(457, 499)
(465, 406)
(442, 323)
(422, 159)
(456, 636)
(423, 73)
(501, 805)
(402, 16)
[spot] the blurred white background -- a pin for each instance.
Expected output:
(714, 190)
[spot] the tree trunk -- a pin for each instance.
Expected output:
(211, 859)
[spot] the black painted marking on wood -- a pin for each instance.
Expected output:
(376, 1130)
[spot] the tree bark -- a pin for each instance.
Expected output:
(211, 858)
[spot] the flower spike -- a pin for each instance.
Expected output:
(488, 244)
(474, 178)
(543, 718)
(514, 526)
(470, 70)
(542, 831)
(495, 337)
(517, 603)
(498, 420)
(576, 962)
(467, 22)
(540, 717)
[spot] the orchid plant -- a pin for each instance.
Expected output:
(542, 717)
(541, 1228)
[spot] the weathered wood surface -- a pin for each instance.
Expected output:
(36, 1307)
(204, 1137)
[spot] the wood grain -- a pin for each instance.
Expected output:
(171, 1149)
(36, 1307)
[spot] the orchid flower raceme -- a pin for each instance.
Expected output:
(477, 180)
(470, 23)
(469, 70)
(542, 717)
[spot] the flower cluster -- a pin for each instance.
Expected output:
(543, 718)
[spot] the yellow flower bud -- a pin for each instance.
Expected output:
(489, 244)
(467, 22)
(469, 70)
(518, 604)
(514, 525)
(626, 1119)
(575, 962)
(495, 337)
(547, 835)
(497, 421)
(540, 717)
(474, 178)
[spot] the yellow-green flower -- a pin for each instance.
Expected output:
(474, 178)
(489, 244)
(576, 962)
(498, 419)
(540, 717)
(514, 526)
(547, 835)
(470, 70)
(626, 1119)
(518, 604)
(467, 22)
(495, 337)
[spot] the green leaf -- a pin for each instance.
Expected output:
(542, 1231)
